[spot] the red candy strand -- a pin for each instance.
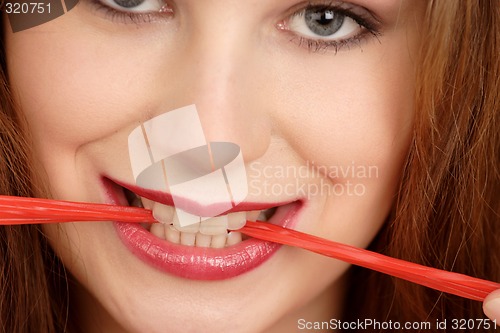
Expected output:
(19, 210)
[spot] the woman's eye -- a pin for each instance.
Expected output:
(133, 11)
(135, 6)
(331, 26)
(323, 23)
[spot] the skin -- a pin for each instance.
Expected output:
(491, 306)
(90, 81)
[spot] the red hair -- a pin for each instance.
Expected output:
(447, 214)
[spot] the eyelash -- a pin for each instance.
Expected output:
(367, 22)
(118, 16)
(371, 27)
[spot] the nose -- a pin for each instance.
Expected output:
(221, 71)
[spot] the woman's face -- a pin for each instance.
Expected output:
(317, 94)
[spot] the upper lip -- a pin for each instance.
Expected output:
(193, 207)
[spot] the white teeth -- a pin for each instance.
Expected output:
(236, 221)
(252, 216)
(219, 241)
(188, 239)
(167, 215)
(212, 232)
(146, 203)
(158, 230)
(203, 240)
(198, 239)
(233, 238)
(214, 226)
(192, 228)
(163, 213)
(185, 219)
(172, 235)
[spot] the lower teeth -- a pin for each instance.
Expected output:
(169, 233)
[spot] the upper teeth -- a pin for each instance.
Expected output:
(208, 226)
(209, 232)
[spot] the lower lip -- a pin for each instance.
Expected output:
(199, 263)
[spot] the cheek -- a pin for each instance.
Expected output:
(351, 108)
(347, 113)
(75, 89)
(79, 88)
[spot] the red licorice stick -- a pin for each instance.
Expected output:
(18, 210)
(449, 282)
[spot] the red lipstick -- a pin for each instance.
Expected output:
(198, 263)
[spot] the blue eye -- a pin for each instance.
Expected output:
(326, 26)
(323, 23)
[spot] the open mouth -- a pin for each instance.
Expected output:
(216, 232)
(212, 249)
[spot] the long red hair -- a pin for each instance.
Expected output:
(447, 214)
